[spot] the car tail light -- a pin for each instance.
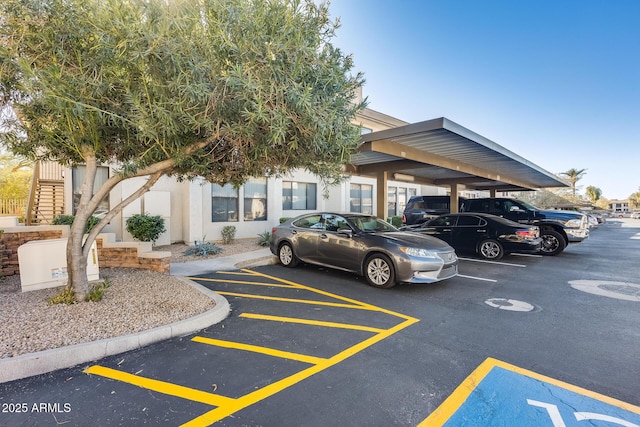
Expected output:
(404, 219)
(273, 230)
(530, 233)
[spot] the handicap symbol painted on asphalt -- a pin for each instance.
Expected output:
(500, 394)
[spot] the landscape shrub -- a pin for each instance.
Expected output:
(228, 234)
(264, 239)
(145, 227)
(202, 248)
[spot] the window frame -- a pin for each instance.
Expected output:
(227, 199)
(262, 197)
(310, 197)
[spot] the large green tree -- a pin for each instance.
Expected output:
(593, 193)
(573, 176)
(15, 177)
(222, 89)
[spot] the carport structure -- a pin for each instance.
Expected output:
(440, 152)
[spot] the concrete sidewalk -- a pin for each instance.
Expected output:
(233, 262)
(31, 364)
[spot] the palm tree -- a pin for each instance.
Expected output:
(573, 176)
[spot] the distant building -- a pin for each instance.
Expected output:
(619, 206)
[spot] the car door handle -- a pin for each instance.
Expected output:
(447, 229)
(294, 232)
(323, 236)
(481, 231)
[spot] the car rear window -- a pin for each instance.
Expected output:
(468, 220)
(312, 221)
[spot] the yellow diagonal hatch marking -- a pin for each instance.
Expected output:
(260, 349)
(311, 322)
(161, 386)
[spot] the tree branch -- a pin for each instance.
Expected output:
(116, 210)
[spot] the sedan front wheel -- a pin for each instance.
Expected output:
(379, 271)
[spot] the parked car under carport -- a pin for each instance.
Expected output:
(365, 245)
(486, 235)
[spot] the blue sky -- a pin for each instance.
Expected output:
(555, 81)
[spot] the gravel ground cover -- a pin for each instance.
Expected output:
(136, 300)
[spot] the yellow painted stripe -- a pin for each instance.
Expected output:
(311, 322)
(461, 393)
(457, 398)
(242, 282)
(359, 304)
(237, 273)
(161, 386)
(274, 388)
(259, 349)
(298, 301)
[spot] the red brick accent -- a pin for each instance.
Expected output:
(109, 254)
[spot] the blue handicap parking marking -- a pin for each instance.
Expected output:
(499, 394)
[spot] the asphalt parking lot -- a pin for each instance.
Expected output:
(526, 341)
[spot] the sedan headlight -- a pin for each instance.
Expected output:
(418, 252)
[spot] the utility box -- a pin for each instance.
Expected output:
(43, 264)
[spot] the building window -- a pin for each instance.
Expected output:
(77, 177)
(391, 202)
(397, 198)
(361, 198)
(298, 195)
(255, 199)
(402, 200)
(224, 203)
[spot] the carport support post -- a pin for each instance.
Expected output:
(381, 194)
(454, 205)
(492, 193)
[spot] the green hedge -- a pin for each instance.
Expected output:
(68, 220)
(396, 221)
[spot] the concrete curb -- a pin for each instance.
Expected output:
(266, 260)
(41, 362)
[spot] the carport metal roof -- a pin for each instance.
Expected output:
(442, 153)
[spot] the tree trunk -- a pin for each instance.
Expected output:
(77, 246)
(76, 258)
(76, 262)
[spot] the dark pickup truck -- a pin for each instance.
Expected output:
(557, 228)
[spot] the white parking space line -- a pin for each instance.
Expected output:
(527, 255)
(477, 278)
(493, 262)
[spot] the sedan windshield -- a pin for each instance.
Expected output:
(372, 224)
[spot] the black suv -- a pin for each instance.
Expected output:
(557, 228)
(423, 208)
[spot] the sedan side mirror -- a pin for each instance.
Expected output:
(346, 231)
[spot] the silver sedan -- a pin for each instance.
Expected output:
(365, 245)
